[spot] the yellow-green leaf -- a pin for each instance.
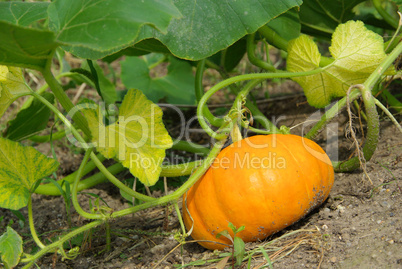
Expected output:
(11, 85)
(138, 139)
(10, 248)
(20, 168)
(357, 52)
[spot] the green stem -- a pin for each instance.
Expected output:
(50, 189)
(391, 100)
(117, 182)
(331, 113)
(64, 100)
(183, 228)
(108, 236)
(32, 226)
(389, 114)
(386, 16)
(380, 70)
(179, 169)
(373, 131)
(60, 242)
(167, 171)
(74, 194)
(260, 117)
(190, 147)
(273, 38)
(253, 58)
(199, 92)
(46, 138)
(229, 81)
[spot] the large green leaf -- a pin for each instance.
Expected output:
(20, 168)
(138, 139)
(102, 26)
(11, 86)
(30, 120)
(10, 247)
(357, 52)
(209, 26)
(23, 13)
(177, 87)
(25, 47)
(322, 16)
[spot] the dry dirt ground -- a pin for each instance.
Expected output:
(359, 226)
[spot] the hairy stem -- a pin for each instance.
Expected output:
(203, 121)
(199, 92)
(386, 16)
(64, 100)
(32, 226)
(74, 195)
(60, 242)
(253, 58)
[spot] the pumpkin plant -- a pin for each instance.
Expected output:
(127, 126)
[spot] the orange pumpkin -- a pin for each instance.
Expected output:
(264, 182)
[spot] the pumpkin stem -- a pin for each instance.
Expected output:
(235, 133)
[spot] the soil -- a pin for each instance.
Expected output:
(359, 226)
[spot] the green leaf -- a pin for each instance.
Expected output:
(356, 51)
(10, 247)
(30, 120)
(107, 88)
(12, 84)
(321, 17)
(23, 13)
(226, 234)
(141, 48)
(105, 25)
(231, 56)
(239, 249)
(20, 168)
(177, 86)
(209, 26)
(138, 139)
(287, 25)
(25, 47)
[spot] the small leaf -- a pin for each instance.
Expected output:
(10, 247)
(25, 47)
(11, 85)
(20, 168)
(357, 52)
(239, 249)
(23, 13)
(226, 234)
(138, 139)
(177, 86)
(30, 120)
(105, 25)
